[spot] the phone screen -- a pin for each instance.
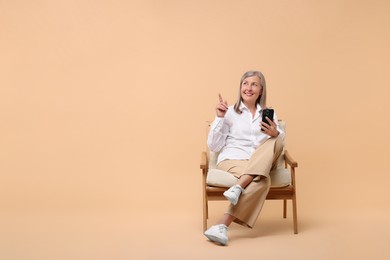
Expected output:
(267, 112)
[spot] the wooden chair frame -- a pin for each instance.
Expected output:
(285, 193)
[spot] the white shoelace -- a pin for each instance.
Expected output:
(236, 190)
(222, 229)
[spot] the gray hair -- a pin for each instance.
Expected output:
(262, 100)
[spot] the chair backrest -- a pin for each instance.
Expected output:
(213, 156)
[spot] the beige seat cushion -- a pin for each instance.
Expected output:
(219, 178)
(280, 177)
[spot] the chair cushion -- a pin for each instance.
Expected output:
(280, 177)
(219, 178)
(213, 156)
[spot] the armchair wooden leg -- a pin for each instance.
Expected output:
(205, 212)
(204, 224)
(207, 209)
(284, 208)
(295, 215)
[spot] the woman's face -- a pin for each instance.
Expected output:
(251, 89)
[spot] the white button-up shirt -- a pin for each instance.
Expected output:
(236, 136)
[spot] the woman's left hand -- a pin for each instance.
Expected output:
(270, 129)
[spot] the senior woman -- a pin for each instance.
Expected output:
(248, 149)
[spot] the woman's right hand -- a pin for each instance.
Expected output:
(222, 107)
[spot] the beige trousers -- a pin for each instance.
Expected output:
(251, 201)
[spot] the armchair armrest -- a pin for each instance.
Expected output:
(289, 160)
(203, 161)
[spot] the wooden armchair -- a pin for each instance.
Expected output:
(283, 187)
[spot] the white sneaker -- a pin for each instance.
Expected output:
(217, 233)
(233, 194)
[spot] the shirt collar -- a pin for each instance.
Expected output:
(242, 106)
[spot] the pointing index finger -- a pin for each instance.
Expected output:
(220, 97)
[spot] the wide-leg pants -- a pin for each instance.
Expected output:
(262, 161)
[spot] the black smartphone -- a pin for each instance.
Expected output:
(267, 112)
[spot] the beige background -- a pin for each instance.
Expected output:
(103, 107)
